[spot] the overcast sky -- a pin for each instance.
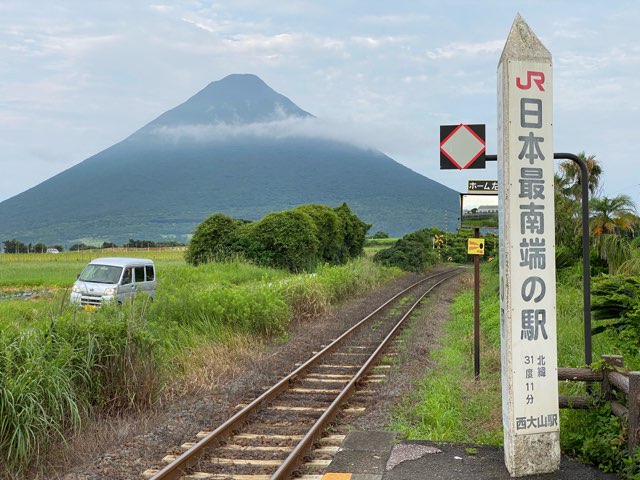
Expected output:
(78, 76)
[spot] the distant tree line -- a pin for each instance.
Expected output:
(297, 240)
(16, 246)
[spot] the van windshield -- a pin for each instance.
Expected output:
(101, 273)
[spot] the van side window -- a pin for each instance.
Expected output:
(126, 276)
(150, 273)
(139, 274)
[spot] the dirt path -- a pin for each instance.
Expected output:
(118, 449)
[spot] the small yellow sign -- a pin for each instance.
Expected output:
(475, 246)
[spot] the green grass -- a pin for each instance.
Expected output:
(380, 241)
(450, 406)
(24, 271)
(60, 364)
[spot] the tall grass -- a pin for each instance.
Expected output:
(56, 368)
(59, 364)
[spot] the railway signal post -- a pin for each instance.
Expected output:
(530, 410)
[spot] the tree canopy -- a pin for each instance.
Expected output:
(296, 240)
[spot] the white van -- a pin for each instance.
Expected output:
(113, 279)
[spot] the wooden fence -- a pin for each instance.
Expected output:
(613, 377)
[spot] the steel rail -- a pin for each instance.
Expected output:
(291, 463)
(190, 457)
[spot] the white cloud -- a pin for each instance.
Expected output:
(376, 42)
(416, 78)
(456, 49)
(396, 20)
(280, 128)
(161, 8)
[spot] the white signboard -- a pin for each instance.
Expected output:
(527, 256)
(531, 226)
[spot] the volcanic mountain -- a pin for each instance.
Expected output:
(237, 147)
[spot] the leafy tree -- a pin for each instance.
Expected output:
(296, 239)
(287, 239)
(568, 200)
(212, 238)
(380, 234)
(15, 246)
(39, 248)
(612, 215)
(409, 254)
(329, 228)
(568, 216)
(612, 223)
(58, 247)
(355, 231)
(417, 250)
(572, 174)
(139, 244)
(79, 246)
(109, 245)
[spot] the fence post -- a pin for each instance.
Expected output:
(612, 362)
(634, 411)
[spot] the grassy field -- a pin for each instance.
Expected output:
(374, 245)
(23, 271)
(61, 365)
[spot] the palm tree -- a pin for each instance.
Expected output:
(615, 215)
(567, 216)
(571, 173)
(613, 221)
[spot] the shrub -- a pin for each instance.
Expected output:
(355, 231)
(595, 438)
(295, 239)
(329, 228)
(410, 254)
(287, 239)
(423, 248)
(211, 238)
(616, 303)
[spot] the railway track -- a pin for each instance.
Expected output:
(283, 432)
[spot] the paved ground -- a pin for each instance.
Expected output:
(378, 456)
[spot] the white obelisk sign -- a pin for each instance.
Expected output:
(530, 412)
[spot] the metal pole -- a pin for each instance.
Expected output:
(476, 309)
(586, 268)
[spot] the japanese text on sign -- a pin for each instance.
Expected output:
(533, 266)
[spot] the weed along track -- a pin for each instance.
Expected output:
(284, 431)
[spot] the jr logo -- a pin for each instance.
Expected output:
(537, 77)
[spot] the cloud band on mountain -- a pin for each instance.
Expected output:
(308, 127)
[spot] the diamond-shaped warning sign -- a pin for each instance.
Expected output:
(462, 146)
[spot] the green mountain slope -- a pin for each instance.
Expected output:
(206, 156)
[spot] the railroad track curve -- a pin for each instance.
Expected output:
(281, 433)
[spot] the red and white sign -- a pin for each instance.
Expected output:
(462, 146)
